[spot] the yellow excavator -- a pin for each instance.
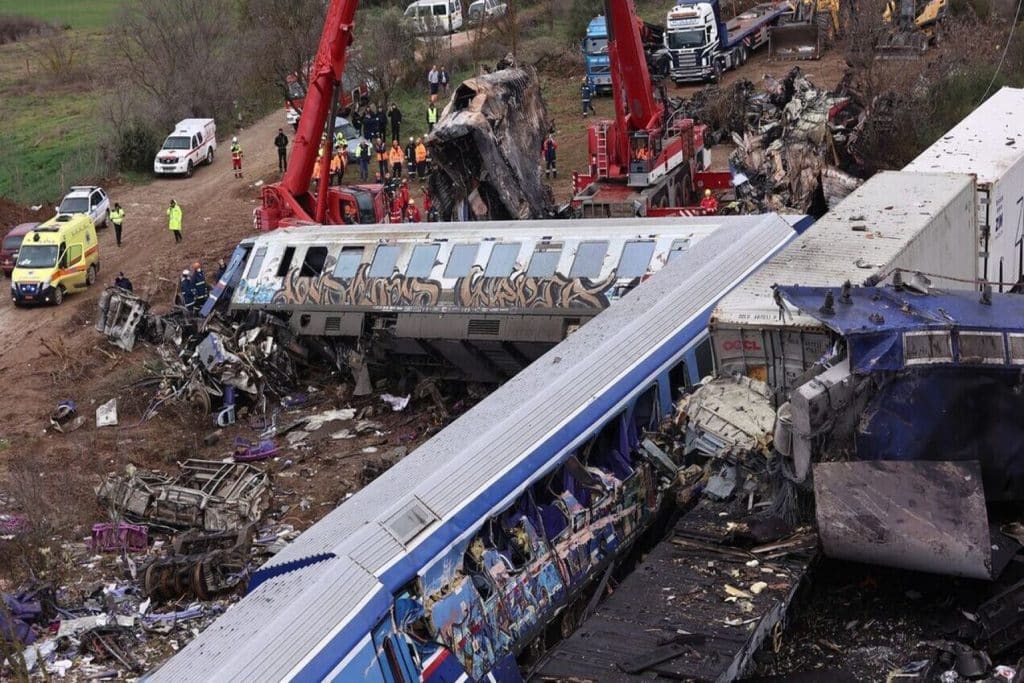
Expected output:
(914, 27)
(805, 31)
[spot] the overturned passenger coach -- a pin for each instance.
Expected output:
(486, 298)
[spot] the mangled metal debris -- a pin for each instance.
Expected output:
(485, 150)
(203, 566)
(729, 416)
(209, 495)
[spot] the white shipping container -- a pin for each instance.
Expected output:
(918, 221)
(989, 144)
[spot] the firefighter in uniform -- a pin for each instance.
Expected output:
(709, 203)
(431, 117)
(117, 218)
(382, 157)
(397, 159)
(236, 157)
(586, 94)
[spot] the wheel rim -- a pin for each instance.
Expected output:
(90, 276)
(58, 296)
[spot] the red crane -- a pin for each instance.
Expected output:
(647, 159)
(291, 202)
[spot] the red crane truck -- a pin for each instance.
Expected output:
(648, 161)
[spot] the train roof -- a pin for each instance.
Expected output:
(987, 142)
(553, 230)
(321, 595)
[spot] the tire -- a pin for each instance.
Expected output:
(744, 54)
(58, 296)
(90, 276)
(190, 170)
(209, 156)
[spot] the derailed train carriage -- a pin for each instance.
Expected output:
(478, 548)
(486, 298)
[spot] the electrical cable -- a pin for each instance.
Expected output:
(1006, 48)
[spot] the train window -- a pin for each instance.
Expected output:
(1016, 348)
(256, 263)
(636, 258)
(286, 261)
(678, 248)
(647, 410)
(982, 347)
(544, 263)
(313, 264)
(384, 261)
(503, 260)
(678, 379)
(422, 261)
(348, 262)
(927, 347)
(705, 359)
(461, 259)
(589, 259)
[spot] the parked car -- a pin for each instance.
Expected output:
(192, 142)
(87, 199)
(484, 10)
(435, 16)
(11, 244)
(353, 136)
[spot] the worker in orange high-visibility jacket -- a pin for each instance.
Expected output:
(396, 157)
(421, 159)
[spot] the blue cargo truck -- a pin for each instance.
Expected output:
(595, 55)
(703, 46)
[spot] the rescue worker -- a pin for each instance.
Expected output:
(412, 214)
(586, 94)
(397, 158)
(281, 142)
(431, 117)
(397, 213)
(403, 193)
(186, 291)
(395, 115)
(200, 288)
(382, 157)
(550, 155)
(340, 142)
(363, 151)
(117, 219)
(410, 158)
(222, 267)
(709, 203)
(123, 282)
(337, 168)
(349, 214)
(236, 157)
(643, 153)
(174, 220)
(370, 124)
(421, 159)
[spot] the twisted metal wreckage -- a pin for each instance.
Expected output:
(798, 147)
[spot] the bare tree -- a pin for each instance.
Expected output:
(183, 55)
(385, 52)
(282, 37)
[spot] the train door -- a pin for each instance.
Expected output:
(394, 653)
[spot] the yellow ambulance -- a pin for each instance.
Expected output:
(58, 257)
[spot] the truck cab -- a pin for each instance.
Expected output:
(595, 55)
(702, 45)
(57, 257)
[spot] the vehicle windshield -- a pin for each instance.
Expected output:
(178, 142)
(346, 128)
(679, 40)
(74, 205)
(597, 46)
(12, 243)
(296, 91)
(37, 256)
(440, 10)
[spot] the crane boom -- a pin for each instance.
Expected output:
(291, 198)
(630, 76)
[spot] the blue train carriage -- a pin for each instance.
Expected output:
(466, 557)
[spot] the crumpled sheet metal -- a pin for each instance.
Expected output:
(729, 416)
(486, 148)
(921, 515)
(120, 315)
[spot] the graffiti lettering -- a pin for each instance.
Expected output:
(521, 291)
(361, 290)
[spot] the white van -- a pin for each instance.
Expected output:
(435, 16)
(192, 142)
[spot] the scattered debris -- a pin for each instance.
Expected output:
(106, 414)
(121, 537)
(65, 417)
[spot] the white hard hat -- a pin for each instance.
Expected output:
(185, 272)
(234, 139)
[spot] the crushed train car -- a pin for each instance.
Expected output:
(486, 149)
(209, 495)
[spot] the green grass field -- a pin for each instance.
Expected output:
(79, 14)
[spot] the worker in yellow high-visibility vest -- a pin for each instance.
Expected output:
(174, 220)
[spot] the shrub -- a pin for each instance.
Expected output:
(136, 146)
